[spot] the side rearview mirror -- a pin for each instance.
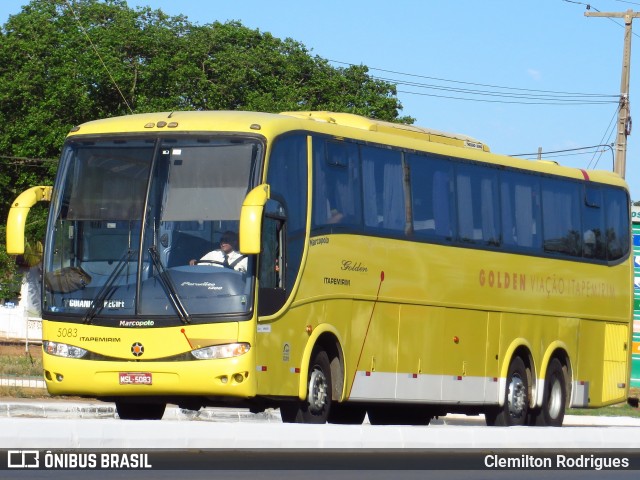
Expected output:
(17, 218)
(251, 219)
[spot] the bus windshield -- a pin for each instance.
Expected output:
(141, 227)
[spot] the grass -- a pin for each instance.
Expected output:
(624, 409)
(16, 360)
(618, 410)
(20, 365)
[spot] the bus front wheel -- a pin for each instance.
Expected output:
(515, 408)
(315, 409)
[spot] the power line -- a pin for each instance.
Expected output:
(528, 96)
(104, 65)
(565, 151)
(591, 7)
(521, 102)
(21, 160)
(577, 153)
(608, 134)
(559, 151)
(475, 84)
(12, 161)
(512, 95)
(627, 1)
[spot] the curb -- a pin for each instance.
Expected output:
(17, 408)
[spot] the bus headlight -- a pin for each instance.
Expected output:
(221, 351)
(63, 350)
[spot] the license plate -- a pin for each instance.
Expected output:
(135, 378)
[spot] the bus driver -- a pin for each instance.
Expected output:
(227, 256)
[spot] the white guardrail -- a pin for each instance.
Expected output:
(17, 325)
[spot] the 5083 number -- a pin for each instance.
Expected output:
(69, 332)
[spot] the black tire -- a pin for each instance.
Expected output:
(347, 413)
(140, 411)
(399, 414)
(554, 398)
(318, 404)
(289, 412)
(515, 409)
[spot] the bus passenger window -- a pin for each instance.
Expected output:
(383, 190)
(520, 197)
(477, 202)
(593, 224)
(561, 222)
(618, 217)
(431, 196)
(336, 184)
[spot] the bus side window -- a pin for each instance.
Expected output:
(336, 184)
(272, 294)
(287, 177)
(478, 206)
(617, 217)
(520, 197)
(383, 189)
(431, 196)
(561, 221)
(593, 224)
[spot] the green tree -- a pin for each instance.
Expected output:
(64, 62)
(10, 279)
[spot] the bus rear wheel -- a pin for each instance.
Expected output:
(515, 408)
(140, 411)
(554, 398)
(318, 404)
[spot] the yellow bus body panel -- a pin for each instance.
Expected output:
(170, 376)
(455, 313)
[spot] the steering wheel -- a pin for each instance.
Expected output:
(212, 262)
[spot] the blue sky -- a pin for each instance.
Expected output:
(529, 48)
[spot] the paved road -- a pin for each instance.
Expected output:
(213, 442)
(64, 408)
(95, 425)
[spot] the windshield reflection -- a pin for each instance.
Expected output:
(139, 226)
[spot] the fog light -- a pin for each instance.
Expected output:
(59, 377)
(238, 378)
(224, 379)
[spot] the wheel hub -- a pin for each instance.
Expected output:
(517, 397)
(555, 399)
(317, 391)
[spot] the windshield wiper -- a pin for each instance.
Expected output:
(165, 279)
(98, 303)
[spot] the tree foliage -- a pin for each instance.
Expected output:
(10, 279)
(64, 62)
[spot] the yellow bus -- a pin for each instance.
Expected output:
(378, 269)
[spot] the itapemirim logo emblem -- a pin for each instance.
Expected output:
(137, 349)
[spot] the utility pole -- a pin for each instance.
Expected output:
(624, 115)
